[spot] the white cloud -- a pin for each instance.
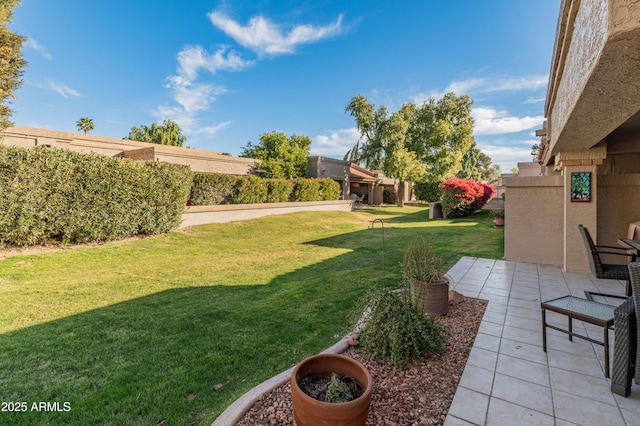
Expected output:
(62, 89)
(192, 98)
(267, 38)
(33, 44)
(486, 85)
(490, 121)
(212, 130)
(336, 143)
(530, 82)
(508, 157)
(534, 100)
(193, 58)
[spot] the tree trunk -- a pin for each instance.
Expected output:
(400, 201)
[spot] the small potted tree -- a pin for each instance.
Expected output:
(498, 218)
(330, 389)
(422, 269)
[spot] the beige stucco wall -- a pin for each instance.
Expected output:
(200, 215)
(324, 167)
(593, 86)
(618, 205)
(580, 47)
(534, 219)
(529, 168)
(579, 213)
(199, 160)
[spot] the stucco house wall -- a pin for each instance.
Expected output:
(199, 160)
(534, 219)
(592, 123)
(617, 208)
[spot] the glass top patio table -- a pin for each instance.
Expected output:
(585, 310)
(632, 244)
(582, 309)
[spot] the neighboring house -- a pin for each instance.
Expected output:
(591, 136)
(199, 160)
(353, 178)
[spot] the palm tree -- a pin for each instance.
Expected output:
(85, 124)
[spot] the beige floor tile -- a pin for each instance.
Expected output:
(505, 413)
(522, 369)
(522, 392)
(470, 406)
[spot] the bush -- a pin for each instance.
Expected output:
(397, 331)
(215, 188)
(329, 189)
(59, 196)
(305, 190)
(278, 190)
(427, 191)
(389, 196)
(249, 190)
(211, 189)
(462, 197)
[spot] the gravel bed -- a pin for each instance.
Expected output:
(419, 395)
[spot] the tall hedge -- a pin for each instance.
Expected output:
(212, 189)
(305, 190)
(279, 190)
(249, 190)
(329, 189)
(52, 195)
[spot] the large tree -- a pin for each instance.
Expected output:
(424, 142)
(280, 156)
(85, 124)
(442, 133)
(167, 133)
(11, 62)
(476, 165)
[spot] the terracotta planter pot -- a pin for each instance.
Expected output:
(434, 295)
(499, 220)
(311, 412)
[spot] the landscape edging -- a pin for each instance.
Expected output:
(236, 411)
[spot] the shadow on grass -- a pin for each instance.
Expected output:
(159, 357)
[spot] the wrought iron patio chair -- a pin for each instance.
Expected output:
(606, 271)
(357, 198)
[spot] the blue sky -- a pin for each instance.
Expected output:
(229, 71)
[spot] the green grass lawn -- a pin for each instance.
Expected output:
(140, 332)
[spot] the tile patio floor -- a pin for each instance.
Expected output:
(508, 379)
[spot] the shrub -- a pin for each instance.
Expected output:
(249, 190)
(211, 189)
(427, 191)
(278, 190)
(54, 195)
(215, 188)
(461, 197)
(487, 194)
(397, 331)
(389, 196)
(305, 190)
(329, 189)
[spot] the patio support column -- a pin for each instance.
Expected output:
(579, 210)
(371, 193)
